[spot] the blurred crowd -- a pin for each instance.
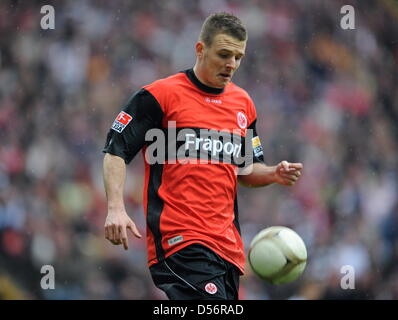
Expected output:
(325, 96)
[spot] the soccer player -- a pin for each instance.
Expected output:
(195, 250)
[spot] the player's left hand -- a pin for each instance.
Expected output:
(287, 173)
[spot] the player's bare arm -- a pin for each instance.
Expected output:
(117, 221)
(285, 173)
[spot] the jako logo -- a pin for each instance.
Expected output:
(213, 100)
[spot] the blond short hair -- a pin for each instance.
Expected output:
(225, 23)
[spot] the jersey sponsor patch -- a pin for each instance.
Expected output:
(257, 148)
(121, 121)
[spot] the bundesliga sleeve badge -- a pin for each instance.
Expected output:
(121, 121)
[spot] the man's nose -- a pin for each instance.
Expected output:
(231, 63)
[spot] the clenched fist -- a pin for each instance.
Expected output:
(287, 173)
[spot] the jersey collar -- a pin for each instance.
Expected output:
(191, 75)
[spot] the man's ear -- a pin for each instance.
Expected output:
(199, 49)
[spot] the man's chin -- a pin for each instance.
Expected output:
(221, 83)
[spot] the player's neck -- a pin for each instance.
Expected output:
(199, 76)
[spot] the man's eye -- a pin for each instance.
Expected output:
(223, 55)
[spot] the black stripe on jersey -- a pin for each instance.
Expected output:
(155, 207)
(236, 213)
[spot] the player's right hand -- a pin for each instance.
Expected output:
(116, 225)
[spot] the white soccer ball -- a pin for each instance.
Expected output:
(277, 255)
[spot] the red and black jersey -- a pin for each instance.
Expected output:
(189, 202)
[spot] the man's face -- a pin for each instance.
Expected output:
(217, 63)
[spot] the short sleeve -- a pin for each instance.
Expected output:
(127, 134)
(255, 145)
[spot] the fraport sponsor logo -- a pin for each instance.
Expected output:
(200, 146)
(215, 146)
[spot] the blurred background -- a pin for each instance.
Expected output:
(325, 96)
